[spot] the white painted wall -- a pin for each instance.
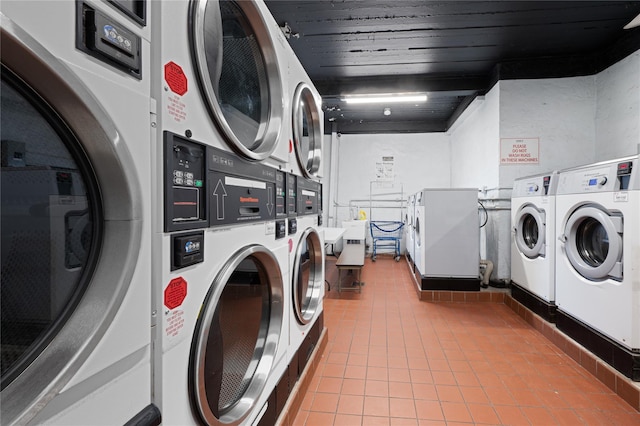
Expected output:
(474, 152)
(420, 160)
(618, 109)
(560, 112)
(577, 120)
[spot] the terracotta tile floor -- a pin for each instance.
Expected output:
(394, 360)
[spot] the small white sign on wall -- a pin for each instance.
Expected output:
(519, 151)
(384, 169)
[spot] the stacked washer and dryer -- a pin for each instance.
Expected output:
(307, 242)
(598, 260)
(223, 303)
(76, 213)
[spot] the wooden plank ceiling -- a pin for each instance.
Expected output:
(451, 50)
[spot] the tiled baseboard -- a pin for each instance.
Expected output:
(461, 296)
(614, 380)
(299, 391)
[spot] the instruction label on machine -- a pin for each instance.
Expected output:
(519, 151)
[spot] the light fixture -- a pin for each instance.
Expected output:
(385, 98)
(387, 111)
(634, 23)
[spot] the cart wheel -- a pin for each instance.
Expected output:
(373, 258)
(397, 258)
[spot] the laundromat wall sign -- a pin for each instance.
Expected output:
(519, 151)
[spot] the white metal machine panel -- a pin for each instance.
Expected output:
(451, 233)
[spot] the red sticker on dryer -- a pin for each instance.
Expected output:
(175, 293)
(175, 78)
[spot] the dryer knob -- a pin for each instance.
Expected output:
(602, 181)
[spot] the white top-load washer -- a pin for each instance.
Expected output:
(533, 243)
(76, 213)
(418, 235)
(597, 248)
(447, 239)
(409, 228)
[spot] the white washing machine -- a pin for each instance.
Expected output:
(217, 77)
(307, 262)
(222, 329)
(307, 123)
(76, 214)
(409, 228)
(447, 239)
(419, 235)
(598, 259)
(533, 243)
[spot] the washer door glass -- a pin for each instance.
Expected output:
(530, 231)
(236, 336)
(417, 232)
(307, 276)
(594, 243)
(238, 74)
(48, 233)
(307, 130)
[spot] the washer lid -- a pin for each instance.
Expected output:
(593, 242)
(237, 336)
(530, 230)
(238, 74)
(307, 130)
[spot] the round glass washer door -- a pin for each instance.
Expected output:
(238, 74)
(237, 336)
(307, 276)
(593, 242)
(69, 244)
(530, 228)
(307, 130)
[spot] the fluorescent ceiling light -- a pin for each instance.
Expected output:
(380, 99)
(633, 24)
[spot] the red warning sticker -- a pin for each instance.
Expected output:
(175, 293)
(175, 78)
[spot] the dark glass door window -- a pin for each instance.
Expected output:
(47, 225)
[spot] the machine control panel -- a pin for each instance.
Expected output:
(105, 39)
(546, 181)
(532, 188)
(185, 186)
(187, 250)
(590, 180)
(281, 194)
(624, 174)
(239, 191)
(308, 193)
(293, 226)
(281, 229)
(292, 200)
